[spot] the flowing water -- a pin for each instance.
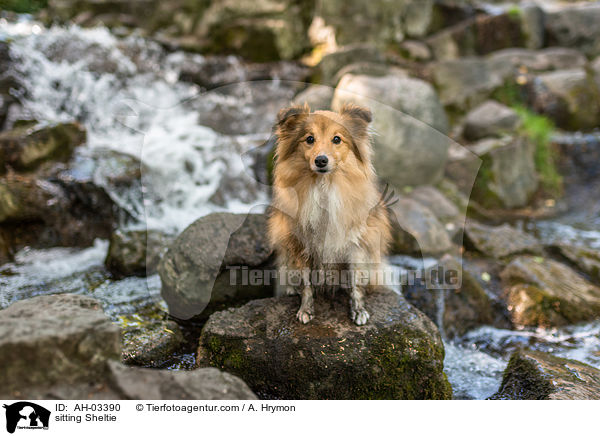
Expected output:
(128, 95)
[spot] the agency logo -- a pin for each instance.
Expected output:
(26, 415)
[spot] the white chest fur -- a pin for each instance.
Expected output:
(326, 232)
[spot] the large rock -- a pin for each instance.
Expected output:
(478, 35)
(55, 339)
(326, 71)
(194, 269)
(411, 144)
(136, 252)
(379, 22)
(465, 83)
(569, 97)
(25, 148)
(398, 354)
(415, 228)
(507, 176)
(456, 310)
(261, 30)
(501, 241)
(490, 119)
(543, 292)
(199, 384)
(534, 375)
(575, 27)
(585, 259)
(55, 211)
(548, 59)
(318, 97)
(216, 71)
(64, 347)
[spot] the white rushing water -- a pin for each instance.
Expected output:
(127, 94)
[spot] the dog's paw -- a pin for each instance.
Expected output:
(359, 316)
(304, 316)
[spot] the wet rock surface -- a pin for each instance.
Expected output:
(55, 339)
(65, 347)
(543, 292)
(398, 354)
(194, 269)
(490, 119)
(534, 375)
(500, 241)
(136, 252)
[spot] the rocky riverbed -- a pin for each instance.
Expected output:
(135, 159)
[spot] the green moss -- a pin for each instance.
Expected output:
(514, 12)
(510, 94)
(523, 380)
(538, 129)
(23, 6)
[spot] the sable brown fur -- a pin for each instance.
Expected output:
(326, 217)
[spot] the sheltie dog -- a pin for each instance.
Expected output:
(327, 213)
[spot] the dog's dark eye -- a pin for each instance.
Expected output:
(310, 140)
(336, 139)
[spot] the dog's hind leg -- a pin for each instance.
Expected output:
(307, 309)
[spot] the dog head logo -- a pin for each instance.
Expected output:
(26, 415)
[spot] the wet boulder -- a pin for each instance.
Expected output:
(410, 122)
(26, 148)
(507, 175)
(490, 119)
(54, 211)
(55, 339)
(65, 347)
(543, 292)
(207, 262)
(460, 308)
(260, 31)
(585, 259)
(398, 354)
(569, 97)
(575, 26)
(500, 241)
(318, 97)
(535, 375)
(415, 228)
(136, 252)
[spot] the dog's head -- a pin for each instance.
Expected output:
(324, 141)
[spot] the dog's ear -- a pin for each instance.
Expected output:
(356, 121)
(287, 129)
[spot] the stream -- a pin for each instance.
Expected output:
(128, 94)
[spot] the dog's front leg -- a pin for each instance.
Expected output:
(359, 277)
(307, 310)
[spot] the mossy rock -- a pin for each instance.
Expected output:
(534, 375)
(501, 241)
(543, 292)
(585, 259)
(25, 148)
(397, 355)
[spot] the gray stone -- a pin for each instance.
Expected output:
(575, 26)
(415, 50)
(398, 354)
(500, 241)
(464, 83)
(26, 148)
(543, 292)
(436, 202)
(199, 384)
(136, 252)
(410, 145)
(534, 375)
(569, 97)
(532, 24)
(55, 339)
(326, 71)
(415, 228)
(490, 119)
(318, 97)
(193, 271)
(548, 59)
(585, 259)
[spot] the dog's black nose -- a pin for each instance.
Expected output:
(321, 161)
